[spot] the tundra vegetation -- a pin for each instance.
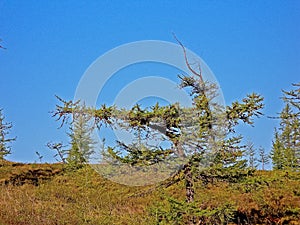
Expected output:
(218, 180)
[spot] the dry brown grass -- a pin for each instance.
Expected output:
(84, 197)
(81, 197)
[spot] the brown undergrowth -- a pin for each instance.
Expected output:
(46, 194)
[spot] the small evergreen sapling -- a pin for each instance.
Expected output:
(251, 153)
(5, 141)
(264, 158)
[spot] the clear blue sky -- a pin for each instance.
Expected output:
(249, 45)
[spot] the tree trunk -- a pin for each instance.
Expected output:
(189, 188)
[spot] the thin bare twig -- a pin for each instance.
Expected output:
(187, 61)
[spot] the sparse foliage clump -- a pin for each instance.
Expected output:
(60, 151)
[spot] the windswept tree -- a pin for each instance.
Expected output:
(5, 141)
(285, 152)
(203, 135)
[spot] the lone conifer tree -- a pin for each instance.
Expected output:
(193, 133)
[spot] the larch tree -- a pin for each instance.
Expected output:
(82, 144)
(251, 153)
(285, 152)
(264, 158)
(195, 138)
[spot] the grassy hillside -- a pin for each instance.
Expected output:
(45, 194)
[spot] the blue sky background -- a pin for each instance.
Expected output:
(249, 45)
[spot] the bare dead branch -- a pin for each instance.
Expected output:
(188, 63)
